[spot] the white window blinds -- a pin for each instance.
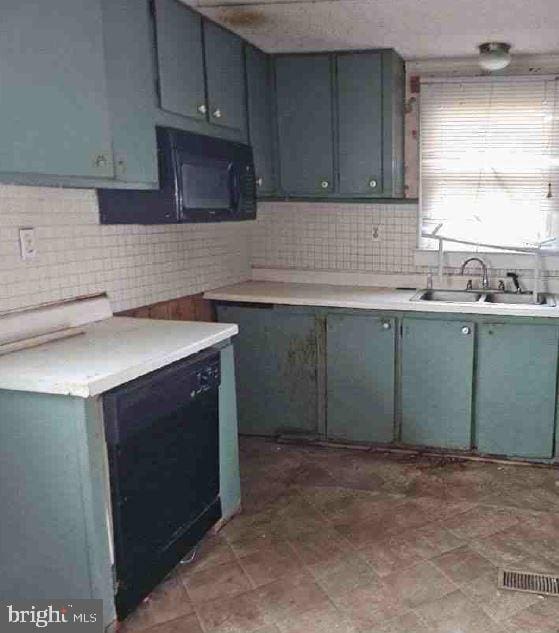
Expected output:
(490, 160)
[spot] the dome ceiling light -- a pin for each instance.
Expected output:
(494, 55)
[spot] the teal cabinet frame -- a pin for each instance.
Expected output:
(55, 114)
(180, 57)
(260, 117)
(360, 369)
(225, 77)
(442, 381)
(304, 97)
(437, 382)
(130, 72)
(516, 385)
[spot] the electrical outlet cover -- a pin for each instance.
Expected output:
(27, 243)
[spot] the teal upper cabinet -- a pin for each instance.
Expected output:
(341, 124)
(304, 121)
(201, 70)
(225, 77)
(180, 56)
(131, 90)
(260, 117)
(360, 370)
(437, 382)
(55, 117)
(365, 149)
(516, 389)
(359, 82)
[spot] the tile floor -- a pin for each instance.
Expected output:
(344, 541)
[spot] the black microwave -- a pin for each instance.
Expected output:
(201, 179)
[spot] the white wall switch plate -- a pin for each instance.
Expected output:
(27, 243)
(376, 233)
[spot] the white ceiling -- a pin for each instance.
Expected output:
(417, 29)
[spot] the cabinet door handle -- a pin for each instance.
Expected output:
(466, 330)
(259, 181)
(202, 108)
(386, 325)
(324, 184)
(217, 113)
(373, 183)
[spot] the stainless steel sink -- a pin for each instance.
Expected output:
(544, 299)
(448, 296)
(488, 297)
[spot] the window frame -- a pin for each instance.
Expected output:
(453, 256)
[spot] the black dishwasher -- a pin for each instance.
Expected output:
(162, 434)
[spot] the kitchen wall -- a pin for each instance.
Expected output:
(136, 265)
(336, 237)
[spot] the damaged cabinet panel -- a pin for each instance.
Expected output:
(360, 378)
(437, 382)
(515, 389)
(276, 366)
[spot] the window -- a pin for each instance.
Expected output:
(489, 156)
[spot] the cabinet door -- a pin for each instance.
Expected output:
(360, 125)
(259, 106)
(276, 368)
(131, 89)
(304, 111)
(437, 376)
(225, 77)
(180, 58)
(360, 370)
(55, 116)
(516, 386)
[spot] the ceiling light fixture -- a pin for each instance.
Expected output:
(494, 55)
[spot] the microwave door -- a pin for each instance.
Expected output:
(208, 188)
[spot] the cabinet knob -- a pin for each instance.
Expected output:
(466, 330)
(217, 113)
(386, 325)
(324, 184)
(373, 183)
(259, 181)
(100, 161)
(202, 108)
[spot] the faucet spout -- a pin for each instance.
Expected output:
(485, 277)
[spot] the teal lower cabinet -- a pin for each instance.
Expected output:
(360, 377)
(516, 389)
(276, 365)
(436, 382)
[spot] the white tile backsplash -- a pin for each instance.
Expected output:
(137, 265)
(338, 238)
(335, 237)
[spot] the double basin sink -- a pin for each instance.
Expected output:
(544, 299)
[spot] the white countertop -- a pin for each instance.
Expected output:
(109, 353)
(362, 297)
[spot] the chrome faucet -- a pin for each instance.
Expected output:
(485, 277)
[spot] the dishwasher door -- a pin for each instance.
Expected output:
(163, 444)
